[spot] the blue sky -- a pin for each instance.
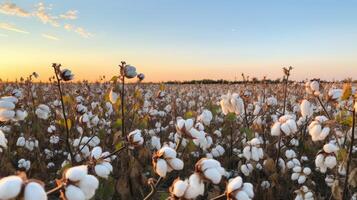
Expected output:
(181, 39)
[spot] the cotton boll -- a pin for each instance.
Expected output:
(161, 167)
(96, 152)
(330, 161)
(241, 195)
(306, 109)
(179, 188)
(213, 175)
(196, 187)
(234, 184)
(295, 176)
(20, 115)
(89, 184)
(34, 191)
(176, 163)
(77, 173)
(103, 170)
(74, 193)
(113, 96)
(330, 148)
(10, 187)
(301, 179)
(248, 188)
(6, 115)
(275, 129)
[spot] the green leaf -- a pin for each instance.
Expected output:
(189, 114)
(342, 154)
(231, 117)
(248, 132)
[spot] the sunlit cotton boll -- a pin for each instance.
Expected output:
(3, 141)
(77, 173)
(43, 111)
(189, 189)
(205, 117)
(318, 130)
(237, 190)
(34, 191)
(135, 139)
(306, 109)
(165, 161)
(217, 151)
(253, 150)
(10, 187)
(66, 75)
(286, 124)
(130, 71)
(211, 169)
(113, 96)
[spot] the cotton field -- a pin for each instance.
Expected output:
(124, 139)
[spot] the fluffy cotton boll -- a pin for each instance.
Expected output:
(135, 138)
(301, 179)
(155, 142)
(7, 105)
(188, 124)
(176, 164)
(113, 97)
(6, 115)
(330, 148)
(292, 125)
(130, 71)
(103, 170)
(89, 184)
(246, 152)
(77, 173)
(34, 191)
(295, 176)
(21, 141)
(241, 195)
(234, 184)
(330, 161)
(74, 193)
(213, 175)
(10, 187)
(179, 188)
(275, 129)
(96, 152)
(3, 140)
(307, 171)
(315, 86)
(42, 111)
(206, 117)
(196, 187)
(306, 108)
(161, 167)
(248, 188)
(20, 115)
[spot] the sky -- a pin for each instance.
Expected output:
(180, 39)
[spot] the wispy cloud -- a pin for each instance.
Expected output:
(50, 37)
(45, 16)
(79, 30)
(10, 27)
(71, 14)
(13, 9)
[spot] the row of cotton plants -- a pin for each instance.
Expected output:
(124, 139)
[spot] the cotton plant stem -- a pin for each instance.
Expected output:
(115, 152)
(64, 115)
(222, 196)
(123, 104)
(324, 108)
(345, 190)
(59, 187)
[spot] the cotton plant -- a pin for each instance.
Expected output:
(313, 87)
(319, 128)
(238, 190)
(190, 188)
(101, 161)
(77, 184)
(205, 117)
(19, 187)
(286, 124)
(165, 160)
(304, 193)
(292, 160)
(8, 109)
(300, 174)
(43, 111)
(232, 103)
(326, 158)
(253, 151)
(210, 169)
(135, 139)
